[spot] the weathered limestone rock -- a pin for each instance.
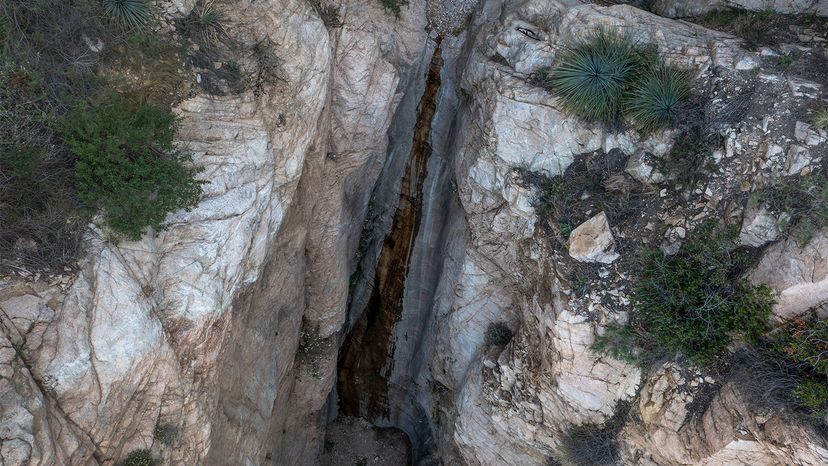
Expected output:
(198, 327)
(682, 8)
(760, 227)
(641, 166)
(797, 273)
(592, 241)
(678, 429)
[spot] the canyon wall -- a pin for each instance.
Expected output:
(369, 217)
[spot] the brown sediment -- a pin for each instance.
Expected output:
(366, 357)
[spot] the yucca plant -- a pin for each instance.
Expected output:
(127, 13)
(654, 97)
(590, 76)
(207, 21)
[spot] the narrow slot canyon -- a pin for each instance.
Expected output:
(367, 355)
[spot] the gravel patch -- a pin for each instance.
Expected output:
(449, 16)
(354, 441)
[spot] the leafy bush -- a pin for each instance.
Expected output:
(654, 99)
(787, 369)
(591, 75)
(141, 457)
(498, 333)
(127, 13)
(804, 339)
(813, 395)
(127, 164)
(618, 341)
(695, 301)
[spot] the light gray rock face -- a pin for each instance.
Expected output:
(511, 405)
(198, 327)
(797, 273)
(682, 8)
(760, 227)
(226, 327)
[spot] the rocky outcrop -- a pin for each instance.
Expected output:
(195, 331)
(797, 272)
(694, 421)
(683, 8)
(512, 405)
(592, 241)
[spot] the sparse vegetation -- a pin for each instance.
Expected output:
(394, 6)
(820, 120)
(654, 99)
(804, 200)
(205, 22)
(141, 457)
(328, 13)
(498, 334)
(620, 342)
(752, 26)
(695, 302)
(592, 444)
(166, 433)
(127, 13)
(127, 164)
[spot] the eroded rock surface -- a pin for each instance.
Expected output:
(217, 341)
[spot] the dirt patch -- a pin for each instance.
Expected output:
(353, 441)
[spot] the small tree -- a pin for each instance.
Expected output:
(127, 164)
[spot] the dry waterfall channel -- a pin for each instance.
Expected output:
(407, 252)
(386, 350)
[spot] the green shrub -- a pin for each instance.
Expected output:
(695, 301)
(654, 98)
(619, 342)
(820, 120)
(813, 395)
(127, 164)
(127, 13)
(498, 333)
(141, 457)
(591, 75)
(804, 339)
